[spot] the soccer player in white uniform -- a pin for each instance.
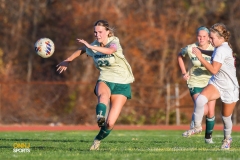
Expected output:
(113, 85)
(197, 78)
(223, 84)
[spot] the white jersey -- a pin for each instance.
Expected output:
(226, 78)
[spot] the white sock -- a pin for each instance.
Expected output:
(227, 121)
(199, 109)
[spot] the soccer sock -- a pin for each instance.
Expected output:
(192, 122)
(199, 109)
(227, 121)
(101, 109)
(103, 133)
(209, 127)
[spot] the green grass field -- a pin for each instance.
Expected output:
(124, 145)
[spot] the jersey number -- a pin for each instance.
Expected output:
(103, 63)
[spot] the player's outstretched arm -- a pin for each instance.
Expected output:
(64, 64)
(110, 50)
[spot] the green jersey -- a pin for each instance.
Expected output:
(199, 75)
(113, 67)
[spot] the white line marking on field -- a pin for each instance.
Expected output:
(178, 149)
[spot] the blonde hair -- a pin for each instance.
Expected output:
(221, 31)
(106, 25)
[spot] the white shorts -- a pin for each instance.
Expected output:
(227, 96)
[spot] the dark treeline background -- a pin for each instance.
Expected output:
(151, 32)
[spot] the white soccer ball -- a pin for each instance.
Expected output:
(44, 47)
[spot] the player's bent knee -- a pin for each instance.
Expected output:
(201, 100)
(104, 97)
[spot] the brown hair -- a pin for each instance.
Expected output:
(221, 31)
(106, 25)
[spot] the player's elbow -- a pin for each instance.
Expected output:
(214, 71)
(111, 51)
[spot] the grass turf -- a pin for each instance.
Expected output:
(124, 145)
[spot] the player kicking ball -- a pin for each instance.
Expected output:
(113, 85)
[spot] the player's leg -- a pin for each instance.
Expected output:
(210, 121)
(117, 102)
(119, 95)
(209, 93)
(227, 110)
(194, 93)
(194, 97)
(103, 93)
(209, 112)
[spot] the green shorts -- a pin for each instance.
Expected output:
(117, 88)
(195, 90)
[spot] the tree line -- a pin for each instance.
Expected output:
(151, 33)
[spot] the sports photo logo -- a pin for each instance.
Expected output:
(21, 147)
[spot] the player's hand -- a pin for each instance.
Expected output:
(84, 42)
(186, 76)
(197, 52)
(62, 66)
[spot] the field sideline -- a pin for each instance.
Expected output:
(236, 128)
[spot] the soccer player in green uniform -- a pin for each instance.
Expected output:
(197, 78)
(113, 85)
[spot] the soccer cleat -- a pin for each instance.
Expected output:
(185, 134)
(226, 143)
(209, 141)
(100, 121)
(95, 145)
(192, 132)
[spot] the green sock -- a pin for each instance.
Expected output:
(103, 133)
(209, 127)
(101, 109)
